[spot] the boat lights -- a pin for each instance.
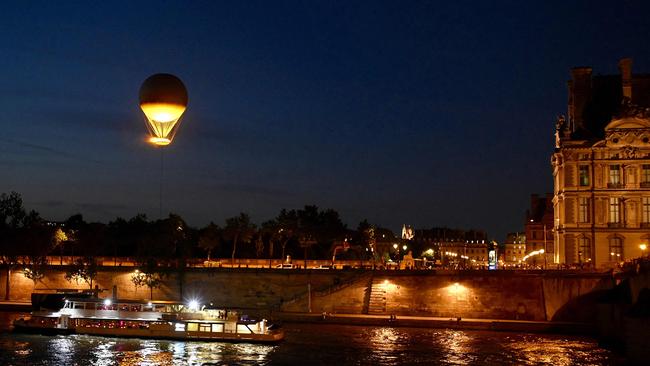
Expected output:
(193, 305)
(107, 302)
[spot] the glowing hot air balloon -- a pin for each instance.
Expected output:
(163, 99)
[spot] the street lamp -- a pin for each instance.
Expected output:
(643, 247)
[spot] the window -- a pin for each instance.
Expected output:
(646, 209)
(583, 212)
(614, 210)
(645, 173)
(584, 175)
(615, 249)
(584, 254)
(614, 174)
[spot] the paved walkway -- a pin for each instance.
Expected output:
(439, 322)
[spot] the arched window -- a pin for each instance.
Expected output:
(584, 247)
(615, 249)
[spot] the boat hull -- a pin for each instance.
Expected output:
(21, 328)
(185, 336)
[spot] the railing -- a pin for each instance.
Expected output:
(615, 225)
(615, 185)
(645, 185)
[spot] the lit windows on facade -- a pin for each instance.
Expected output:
(584, 175)
(584, 247)
(645, 210)
(615, 249)
(614, 210)
(583, 209)
(614, 175)
(645, 176)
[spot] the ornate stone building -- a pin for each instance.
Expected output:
(601, 169)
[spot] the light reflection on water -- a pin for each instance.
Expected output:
(312, 344)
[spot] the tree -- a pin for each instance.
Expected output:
(282, 230)
(59, 237)
(259, 245)
(365, 238)
(238, 229)
(12, 221)
(82, 269)
(35, 269)
(209, 238)
(148, 274)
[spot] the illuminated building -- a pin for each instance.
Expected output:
(601, 169)
(515, 248)
(539, 226)
(453, 245)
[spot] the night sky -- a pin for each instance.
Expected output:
(423, 113)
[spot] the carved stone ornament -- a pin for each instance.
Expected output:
(629, 152)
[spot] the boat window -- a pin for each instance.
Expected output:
(180, 327)
(217, 328)
(243, 329)
(204, 327)
(78, 305)
(192, 327)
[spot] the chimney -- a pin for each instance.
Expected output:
(625, 66)
(579, 95)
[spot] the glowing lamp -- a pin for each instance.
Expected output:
(193, 305)
(163, 100)
(107, 302)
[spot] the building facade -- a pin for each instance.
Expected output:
(514, 249)
(468, 248)
(601, 169)
(539, 228)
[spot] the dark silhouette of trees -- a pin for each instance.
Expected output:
(210, 238)
(308, 232)
(23, 235)
(238, 229)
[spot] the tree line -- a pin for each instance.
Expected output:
(308, 232)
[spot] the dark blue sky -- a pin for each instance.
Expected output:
(422, 113)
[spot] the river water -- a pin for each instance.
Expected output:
(310, 344)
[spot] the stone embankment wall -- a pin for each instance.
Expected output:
(491, 295)
(470, 294)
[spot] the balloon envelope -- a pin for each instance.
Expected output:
(163, 99)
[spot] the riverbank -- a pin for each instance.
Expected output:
(436, 322)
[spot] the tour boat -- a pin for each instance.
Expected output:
(154, 319)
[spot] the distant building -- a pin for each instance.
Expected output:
(539, 227)
(514, 248)
(601, 169)
(407, 232)
(454, 245)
